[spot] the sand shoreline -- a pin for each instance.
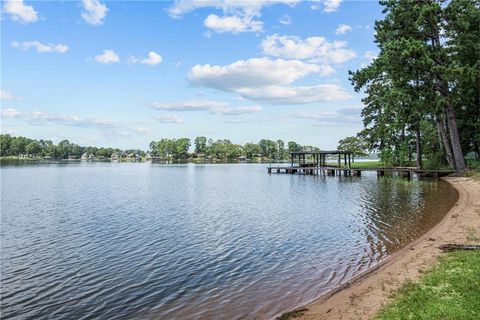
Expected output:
(363, 296)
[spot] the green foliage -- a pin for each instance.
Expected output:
(356, 145)
(293, 146)
(167, 149)
(251, 149)
(464, 40)
(268, 148)
(425, 79)
(33, 148)
(450, 290)
(224, 149)
(200, 145)
(367, 164)
(181, 147)
(30, 148)
(171, 148)
(474, 166)
(473, 235)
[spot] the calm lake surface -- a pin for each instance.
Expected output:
(139, 240)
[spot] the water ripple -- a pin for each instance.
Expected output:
(122, 241)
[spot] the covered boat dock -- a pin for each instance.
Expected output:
(319, 158)
(339, 162)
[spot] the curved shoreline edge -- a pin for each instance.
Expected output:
(365, 294)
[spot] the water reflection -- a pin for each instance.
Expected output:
(130, 240)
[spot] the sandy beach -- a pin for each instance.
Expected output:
(362, 297)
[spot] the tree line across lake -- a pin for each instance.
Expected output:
(166, 149)
(31, 148)
(225, 149)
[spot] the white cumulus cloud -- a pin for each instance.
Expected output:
(254, 72)
(20, 12)
(107, 126)
(94, 12)
(5, 95)
(192, 105)
(152, 60)
(295, 94)
(217, 107)
(267, 80)
(240, 110)
(40, 47)
(108, 56)
(331, 5)
(317, 48)
(238, 15)
(252, 7)
(233, 24)
(10, 113)
(328, 118)
(343, 28)
(169, 118)
(240, 120)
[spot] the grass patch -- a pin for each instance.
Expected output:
(366, 164)
(450, 290)
(380, 164)
(473, 235)
(293, 314)
(474, 165)
(474, 169)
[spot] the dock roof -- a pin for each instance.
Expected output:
(321, 152)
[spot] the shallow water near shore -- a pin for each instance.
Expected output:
(139, 240)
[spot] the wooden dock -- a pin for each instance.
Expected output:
(345, 171)
(318, 166)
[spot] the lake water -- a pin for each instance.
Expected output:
(138, 240)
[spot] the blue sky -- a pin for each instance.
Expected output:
(121, 74)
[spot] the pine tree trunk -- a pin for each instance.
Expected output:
(445, 141)
(455, 139)
(451, 121)
(418, 144)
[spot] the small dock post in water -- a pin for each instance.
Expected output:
(315, 163)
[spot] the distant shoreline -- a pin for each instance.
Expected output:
(124, 160)
(360, 162)
(367, 162)
(363, 296)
